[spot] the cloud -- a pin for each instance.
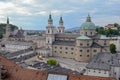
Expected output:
(104, 20)
(28, 13)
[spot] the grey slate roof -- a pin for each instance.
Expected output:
(104, 61)
(17, 53)
(96, 45)
(42, 48)
(97, 36)
(22, 58)
(66, 43)
(68, 35)
(17, 34)
(23, 43)
(49, 68)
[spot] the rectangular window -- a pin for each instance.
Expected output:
(95, 50)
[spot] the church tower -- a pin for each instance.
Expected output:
(61, 26)
(7, 29)
(50, 34)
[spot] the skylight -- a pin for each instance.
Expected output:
(56, 77)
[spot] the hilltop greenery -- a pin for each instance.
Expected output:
(3, 25)
(108, 32)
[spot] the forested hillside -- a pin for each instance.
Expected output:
(3, 25)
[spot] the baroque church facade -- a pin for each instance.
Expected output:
(56, 43)
(80, 47)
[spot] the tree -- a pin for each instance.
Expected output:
(113, 48)
(107, 32)
(116, 24)
(100, 30)
(52, 62)
(1, 35)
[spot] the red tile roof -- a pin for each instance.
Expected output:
(5, 62)
(17, 73)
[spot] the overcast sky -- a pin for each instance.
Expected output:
(33, 14)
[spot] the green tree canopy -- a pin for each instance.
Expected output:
(1, 35)
(107, 32)
(112, 48)
(100, 30)
(116, 24)
(52, 62)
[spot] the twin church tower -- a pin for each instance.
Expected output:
(51, 31)
(80, 47)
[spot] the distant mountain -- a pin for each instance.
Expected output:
(75, 29)
(34, 31)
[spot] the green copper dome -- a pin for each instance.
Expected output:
(88, 24)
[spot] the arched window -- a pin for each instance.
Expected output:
(48, 31)
(59, 30)
(91, 33)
